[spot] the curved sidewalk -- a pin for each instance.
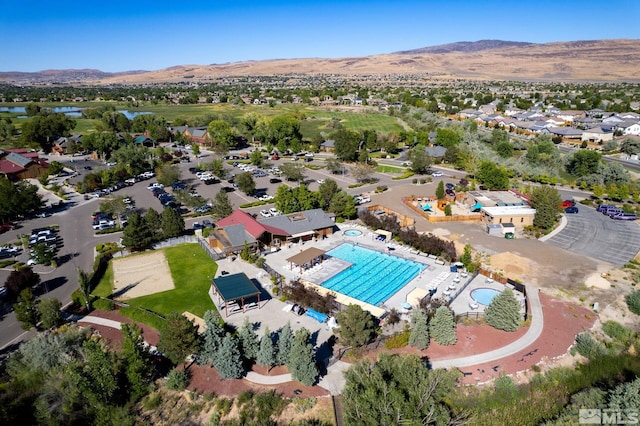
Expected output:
(334, 380)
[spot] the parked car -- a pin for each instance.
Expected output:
(203, 209)
(265, 213)
(275, 180)
(571, 209)
(207, 223)
(625, 216)
(568, 203)
(154, 185)
(197, 225)
(321, 181)
(274, 211)
(437, 174)
(449, 185)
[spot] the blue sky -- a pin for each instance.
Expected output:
(119, 35)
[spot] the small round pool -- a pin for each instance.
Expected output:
(484, 295)
(352, 233)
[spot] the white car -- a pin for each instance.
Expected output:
(266, 197)
(155, 185)
(321, 181)
(274, 211)
(265, 213)
(437, 174)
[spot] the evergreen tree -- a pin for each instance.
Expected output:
(137, 235)
(135, 357)
(267, 352)
(153, 220)
(178, 338)
(442, 326)
(547, 202)
(419, 337)
(222, 206)
(503, 312)
(249, 341)
(356, 326)
(301, 359)
(228, 360)
(172, 223)
(440, 190)
(285, 340)
(212, 337)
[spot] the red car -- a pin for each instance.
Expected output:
(568, 203)
(4, 227)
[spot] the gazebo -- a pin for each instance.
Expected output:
(231, 288)
(305, 256)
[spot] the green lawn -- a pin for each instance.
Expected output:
(191, 271)
(357, 121)
(384, 168)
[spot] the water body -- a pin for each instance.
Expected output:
(70, 111)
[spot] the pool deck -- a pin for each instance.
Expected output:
(446, 282)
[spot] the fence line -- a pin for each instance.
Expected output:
(211, 252)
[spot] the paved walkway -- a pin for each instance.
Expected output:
(334, 380)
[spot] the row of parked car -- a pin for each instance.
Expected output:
(46, 236)
(615, 212)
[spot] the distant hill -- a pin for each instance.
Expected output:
(586, 60)
(465, 46)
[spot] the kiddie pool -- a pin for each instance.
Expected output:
(352, 233)
(484, 295)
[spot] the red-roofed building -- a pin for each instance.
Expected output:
(21, 163)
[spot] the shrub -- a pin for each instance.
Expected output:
(153, 401)
(633, 301)
(381, 188)
(223, 406)
(399, 340)
(104, 304)
(303, 404)
(617, 331)
(177, 380)
(588, 347)
(503, 312)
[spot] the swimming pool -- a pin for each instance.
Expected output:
(373, 277)
(352, 233)
(484, 295)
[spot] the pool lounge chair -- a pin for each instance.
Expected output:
(474, 305)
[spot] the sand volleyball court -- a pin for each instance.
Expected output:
(135, 276)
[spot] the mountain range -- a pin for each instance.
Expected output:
(588, 60)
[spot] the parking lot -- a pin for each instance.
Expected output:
(593, 234)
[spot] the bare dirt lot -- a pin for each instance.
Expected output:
(139, 275)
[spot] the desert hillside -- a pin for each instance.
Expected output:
(595, 60)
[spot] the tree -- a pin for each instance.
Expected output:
(103, 143)
(228, 359)
(440, 190)
(195, 149)
(249, 342)
(178, 338)
(630, 146)
(55, 168)
(222, 206)
(301, 359)
(153, 220)
(334, 165)
(633, 301)
(292, 171)
(493, 176)
(584, 162)
(137, 235)
(284, 132)
(168, 174)
(16, 199)
(442, 326)
(466, 258)
(21, 279)
(285, 340)
(136, 158)
(447, 210)
(222, 136)
(7, 129)
(136, 361)
(346, 144)
(256, 158)
(503, 312)
(26, 309)
(548, 204)
(43, 129)
(290, 200)
(327, 190)
(504, 149)
(343, 205)
(177, 380)
(397, 390)
(420, 161)
(362, 172)
(246, 183)
(172, 223)
(447, 137)
(419, 337)
(43, 253)
(211, 338)
(356, 327)
(267, 353)
(49, 313)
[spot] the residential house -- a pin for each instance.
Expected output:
(564, 132)
(630, 128)
(62, 145)
(570, 115)
(597, 134)
(196, 134)
(328, 145)
(469, 113)
(435, 151)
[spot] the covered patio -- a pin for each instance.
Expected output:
(308, 257)
(231, 288)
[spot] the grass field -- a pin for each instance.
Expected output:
(191, 271)
(383, 168)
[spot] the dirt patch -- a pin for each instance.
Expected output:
(140, 275)
(512, 265)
